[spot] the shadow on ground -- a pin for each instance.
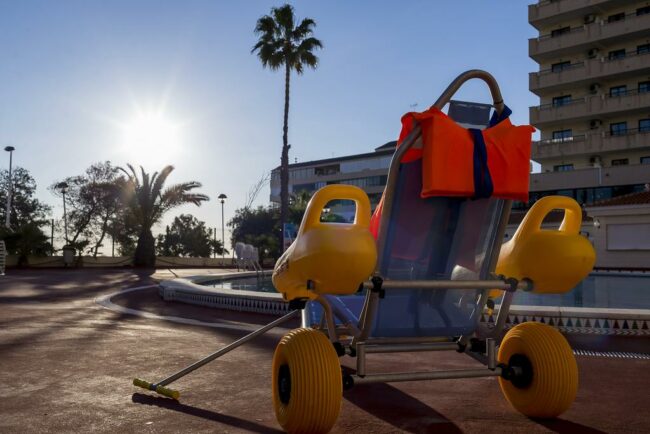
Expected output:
(213, 416)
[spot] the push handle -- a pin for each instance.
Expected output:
(535, 216)
(337, 192)
(466, 76)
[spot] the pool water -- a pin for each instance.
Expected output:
(596, 291)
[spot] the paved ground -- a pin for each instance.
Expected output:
(66, 365)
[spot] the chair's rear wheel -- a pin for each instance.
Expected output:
(544, 373)
(307, 383)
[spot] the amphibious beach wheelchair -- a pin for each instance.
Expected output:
(418, 275)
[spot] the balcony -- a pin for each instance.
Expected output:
(592, 144)
(589, 107)
(591, 177)
(546, 47)
(546, 13)
(588, 72)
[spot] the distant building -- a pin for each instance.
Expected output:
(367, 171)
(621, 233)
(594, 88)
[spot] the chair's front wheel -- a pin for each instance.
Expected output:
(307, 383)
(544, 382)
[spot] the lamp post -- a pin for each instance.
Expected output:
(222, 198)
(9, 149)
(63, 188)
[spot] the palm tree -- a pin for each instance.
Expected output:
(282, 43)
(147, 202)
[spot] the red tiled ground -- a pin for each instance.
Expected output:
(67, 363)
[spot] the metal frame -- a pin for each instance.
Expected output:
(359, 343)
(362, 344)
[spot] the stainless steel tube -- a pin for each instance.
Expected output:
(418, 376)
(448, 284)
(408, 348)
(228, 348)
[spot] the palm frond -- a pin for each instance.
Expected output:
(284, 19)
(160, 180)
(266, 26)
(303, 30)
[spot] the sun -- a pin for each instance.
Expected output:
(151, 137)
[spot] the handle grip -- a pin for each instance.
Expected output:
(466, 76)
(570, 223)
(336, 192)
(161, 390)
(170, 393)
(144, 384)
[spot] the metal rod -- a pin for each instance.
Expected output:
(408, 340)
(433, 375)
(448, 284)
(223, 236)
(407, 348)
(10, 189)
(368, 315)
(504, 310)
(361, 358)
(227, 348)
(329, 318)
(491, 353)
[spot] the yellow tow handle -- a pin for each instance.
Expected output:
(555, 260)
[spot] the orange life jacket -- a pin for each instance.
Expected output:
(467, 162)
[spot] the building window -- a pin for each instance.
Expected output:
(562, 167)
(620, 162)
(616, 17)
(561, 66)
(644, 125)
(332, 169)
(643, 10)
(617, 54)
(618, 128)
(644, 86)
(645, 160)
(618, 90)
(643, 49)
(562, 135)
(559, 32)
(561, 100)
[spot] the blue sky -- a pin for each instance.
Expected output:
(73, 73)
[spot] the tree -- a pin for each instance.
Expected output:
(25, 208)
(92, 201)
(188, 237)
(259, 227)
(25, 241)
(24, 237)
(282, 43)
(147, 201)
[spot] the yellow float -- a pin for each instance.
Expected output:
(332, 258)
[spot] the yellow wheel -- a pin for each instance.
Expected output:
(542, 371)
(307, 382)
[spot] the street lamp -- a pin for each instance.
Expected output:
(63, 188)
(222, 198)
(9, 149)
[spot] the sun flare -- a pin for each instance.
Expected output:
(151, 136)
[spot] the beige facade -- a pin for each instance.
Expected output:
(621, 235)
(593, 84)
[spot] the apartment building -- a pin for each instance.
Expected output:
(594, 88)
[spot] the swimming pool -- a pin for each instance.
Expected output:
(596, 291)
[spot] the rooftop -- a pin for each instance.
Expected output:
(639, 198)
